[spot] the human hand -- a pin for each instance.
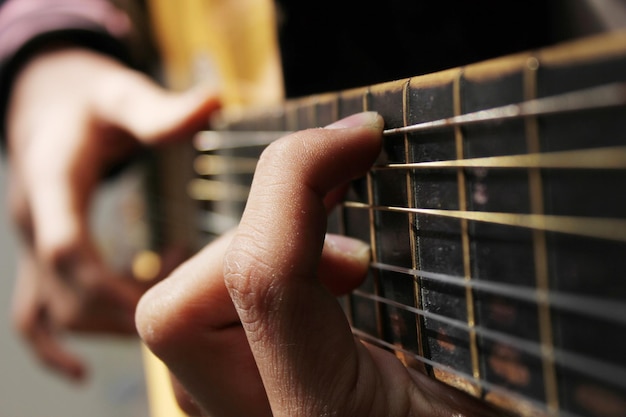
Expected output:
(251, 326)
(73, 114)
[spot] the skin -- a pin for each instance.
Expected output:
(251, 326)
(72, 114)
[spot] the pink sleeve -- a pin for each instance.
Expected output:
(24, 20)
(27, 25)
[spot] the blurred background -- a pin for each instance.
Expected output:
(115, 386)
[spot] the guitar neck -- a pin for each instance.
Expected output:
(495, 217)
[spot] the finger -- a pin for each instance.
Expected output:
(84, 295)
(19, 209)
(53, 353)
(292, 323)
(344, 263)
(188, 321)
(108, 308)
(58, 209)
(150, 113)
(29, 318)
(58, 176)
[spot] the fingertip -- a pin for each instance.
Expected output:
(181, 114)
(350, 247)
(77, 374)
(369, 119)
(60, 360)
(344, 263)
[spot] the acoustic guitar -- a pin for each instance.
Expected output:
(495, 217)
(497, 227)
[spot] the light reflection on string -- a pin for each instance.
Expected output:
(595, 227)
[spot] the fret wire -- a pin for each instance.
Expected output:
(539, 243)
(609, 95)
(413, 238)
(584, 305)
(596, 368)
(341, 213)
(600, 158)
(372, 229)
(484, 384)
(465, 241)
(594, 227)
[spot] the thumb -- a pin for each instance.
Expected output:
(151, 114)
(296, 329)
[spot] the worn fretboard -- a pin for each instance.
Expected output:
(497, 219)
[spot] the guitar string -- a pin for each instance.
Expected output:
(366, 337)
(596, 97)
(603, 158)
(607, 310)
(608, 95)
(538, 405)
(596, 368)
(594, 227)
(608, 158)
(613, 157)
(613, 311)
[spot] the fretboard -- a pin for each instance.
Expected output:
(496, 214)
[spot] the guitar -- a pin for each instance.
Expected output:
(497, 228)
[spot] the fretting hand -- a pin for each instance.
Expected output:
(251, 326)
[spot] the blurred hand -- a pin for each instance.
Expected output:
(251, 326)
(74, 113)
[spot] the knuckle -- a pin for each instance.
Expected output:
(276, 151)
(281, 152)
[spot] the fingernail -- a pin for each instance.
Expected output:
(348, 246)
(365, 119)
